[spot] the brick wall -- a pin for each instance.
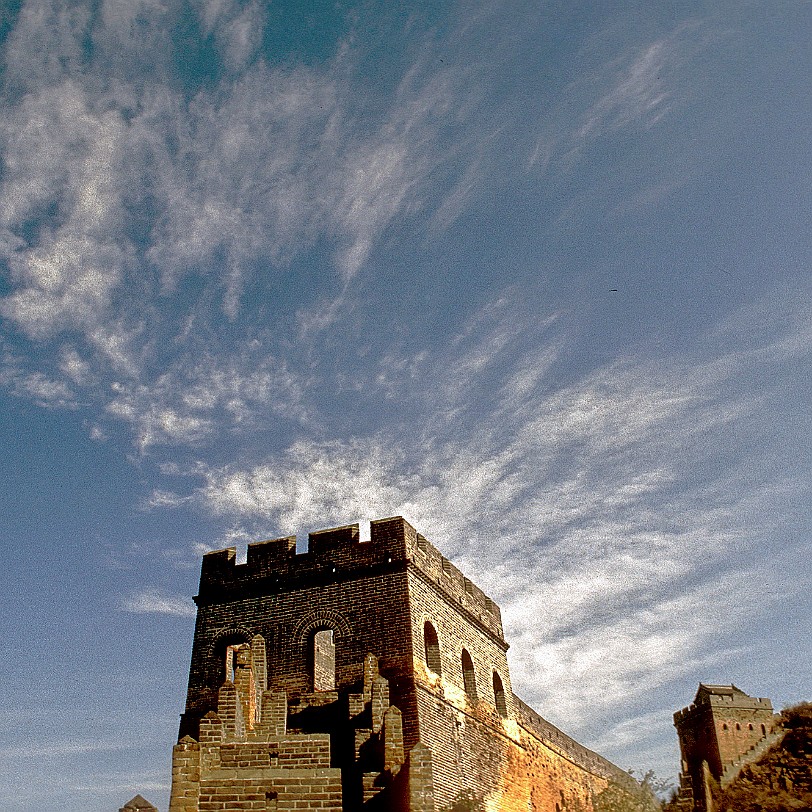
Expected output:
(504, 754)
(397, 724)
(720, 725)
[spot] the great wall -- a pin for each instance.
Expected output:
(373, 676)
(362, 676)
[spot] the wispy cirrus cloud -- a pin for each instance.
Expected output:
(614, 491)
(36, 386)
(626, 92)
(193, 400)
(94, 151)
(45, 389)
(155, 602)
(237, 29)
(638, 94)
(118, 187)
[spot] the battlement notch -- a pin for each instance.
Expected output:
(332, 553)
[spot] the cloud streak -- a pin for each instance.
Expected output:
(612, 491)
(154, 602)
(119, 189)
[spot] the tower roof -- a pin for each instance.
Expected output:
(139, 802)
(706, 689)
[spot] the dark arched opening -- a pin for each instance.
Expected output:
(323, 660)
(431, 644)
(226, 657)
(499, 696)
(468, 677)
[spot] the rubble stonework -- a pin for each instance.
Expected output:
(362, 676)
(721, 731)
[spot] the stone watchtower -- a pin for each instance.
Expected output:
(361, 676)
(716, 732)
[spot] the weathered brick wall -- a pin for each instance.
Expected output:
(356, 589)
(720, 725)
(293, 751)
(556, 740)
(400, 730)
(459, 732)
(737, 730)
(509, 758)
(293, 791)
(232, 771)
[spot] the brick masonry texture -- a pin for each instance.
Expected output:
(362, 676)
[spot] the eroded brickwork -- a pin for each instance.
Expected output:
(362, 676)
(721, 726)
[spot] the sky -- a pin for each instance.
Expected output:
(534, 275)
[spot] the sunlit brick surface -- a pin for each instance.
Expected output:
(362, 676)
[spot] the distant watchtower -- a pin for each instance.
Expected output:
(720, 727)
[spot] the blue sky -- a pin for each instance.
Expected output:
(533, 275)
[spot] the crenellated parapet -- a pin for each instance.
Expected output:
(720, 699)
(288, 708)
(443, 574)
(331, 555)
(336, 554)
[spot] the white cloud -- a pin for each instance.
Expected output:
(37, 386)
(639, 94)
(312, 483)
(69, 283)
(241, 35)
(161, 498)
(45, 43)
(629, 90)
(74, 367)
(600, 515)
(194, 399)
(153, 601)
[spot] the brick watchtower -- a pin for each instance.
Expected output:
(720, 727)
(361, 676)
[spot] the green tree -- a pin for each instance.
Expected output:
(635, 795)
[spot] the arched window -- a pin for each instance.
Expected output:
(432, 646)
(763, 730)
(323, 656)
(237, 664)
(749, 727)
(738, 726)
(468, 678)
(230, 663)
(226, 656)
(499, 695)
(724, 726)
